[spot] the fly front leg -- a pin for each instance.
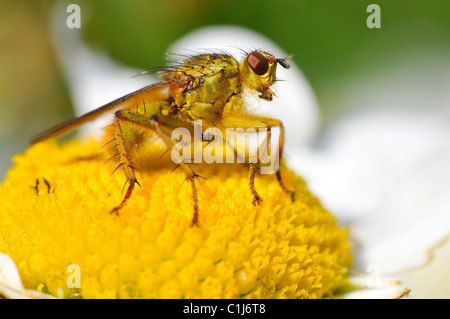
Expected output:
(264, 148)
(257, 200)
(255, 166)
(163, 126)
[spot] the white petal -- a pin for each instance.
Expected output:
(384, 170)
(10, 283)
(386, 289)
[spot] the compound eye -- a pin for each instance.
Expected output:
(258, 63)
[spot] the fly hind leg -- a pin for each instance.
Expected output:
(163, 126)
(125, 163)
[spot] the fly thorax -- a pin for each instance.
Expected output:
(250, 99)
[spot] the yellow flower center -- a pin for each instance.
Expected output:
(55, 224)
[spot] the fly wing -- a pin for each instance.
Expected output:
(152, 93)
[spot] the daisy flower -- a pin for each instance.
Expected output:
(305, 249)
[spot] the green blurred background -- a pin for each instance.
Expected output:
(330, 39)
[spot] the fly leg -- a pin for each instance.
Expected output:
(280, 153)
(255, 165)
(163, 126)
(125, 163)
(284, 188)
(264, 149)
(257, 200)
